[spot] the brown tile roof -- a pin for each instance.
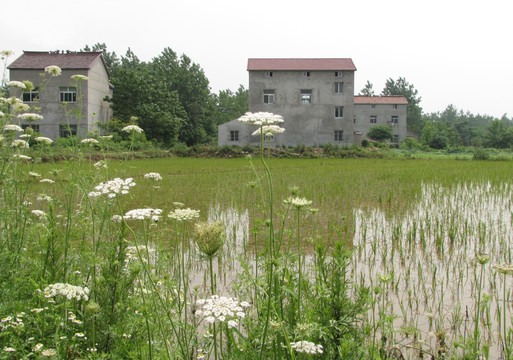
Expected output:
(38, 60)
(301, 64)
(391, 99)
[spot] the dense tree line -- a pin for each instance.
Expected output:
(169, 97)
(451, 127)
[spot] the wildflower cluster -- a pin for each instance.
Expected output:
(102, 164)
(221, 309)
(505, 269)
(261, 118)
(17, 84)
(268, 130)
(184, 214)
(12, 127)
(30, 117)
(43, 140)
(209, 237)
(133, 128)
(22, 144)
(132, 253)
(143, 214)
(9, 322)
(89, 141)
(153, 175)
(298, 202)
(112, 188)
(67, 290)
(79, 77)
(306, 347)
(53, 70)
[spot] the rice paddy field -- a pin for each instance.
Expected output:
(182, 258)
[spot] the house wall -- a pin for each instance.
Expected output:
(99, 111)
(90, 96)
(310, 124)
(384, 113)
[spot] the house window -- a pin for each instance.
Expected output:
(395, 119)
(306, 74)
(68, 94)
(339, 135)
(234, 135)
(269, 74)
(373, 119)
(339, 86)
(396, 139)
(339, 111)
(338, 73)
(268, 96)
(306, 96)
(66, 130)
(394, 106)
(373, 106)
(30, 96)
(354, 120)
(35, 128)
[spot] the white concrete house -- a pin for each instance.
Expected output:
(316, 99)
(59, 98)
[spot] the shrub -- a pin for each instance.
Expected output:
(481, 154)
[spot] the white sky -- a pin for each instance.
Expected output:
(456, 52)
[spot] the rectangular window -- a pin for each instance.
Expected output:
(234, 135)
(373, 106)
(306, 74)
(339, 111)
(66, 130)
(306, 97)
(339, 135)
(395, 119)
(339, 87)
(30, 96)
(394, 106)
(269, 74)
(268, 96)
(338, 73)
(373, 119)
(68, 94)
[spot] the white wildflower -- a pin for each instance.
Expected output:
(105, 137)
(44, 197)
(131, 128)
(17, 84)
(67, 290)
(30, 117)
(268, 130)
(184, 214)
(298, 202)
(79, 77)
(43, 140)
(34, 174)
(143, 214)
(37, 347)
(12, 127)
(53, 70)
(261, 118)
(116, 218)
(25, 136)
(9, 349)
(220, 308)
(48, 181)
(100, 165)
(21, 157)
(153, 175)
(306, 347)
(89, 141)
(18, 143)
(112, 188)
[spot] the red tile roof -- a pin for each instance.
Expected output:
(37, 60)
(301, 64)
(391, 99)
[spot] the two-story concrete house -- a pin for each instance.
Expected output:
(316, 99)
(61, 98)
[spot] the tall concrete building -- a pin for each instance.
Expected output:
(317, 102)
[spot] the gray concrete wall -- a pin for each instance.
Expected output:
(310, 124)
(384, 113)
(90, 96)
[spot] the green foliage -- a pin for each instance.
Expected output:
(380, 133)
(481, 154)
(367, 90)
(409, 144)
(400, 86)
(230, 105)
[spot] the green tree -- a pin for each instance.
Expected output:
(367, 90)
(230, 105)
(497, 136)
(381, 133)
(111, 59)
(400, 86)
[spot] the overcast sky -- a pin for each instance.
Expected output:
(453, 52)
